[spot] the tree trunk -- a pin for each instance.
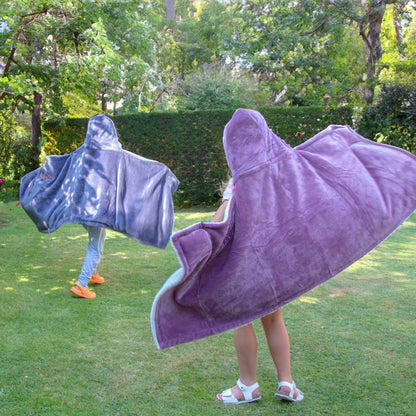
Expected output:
(103, 103)
(36, 121)
(170, 9)
(398, 16)
(370, 30)
(36, 128)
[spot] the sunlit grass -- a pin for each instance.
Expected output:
(352, 338)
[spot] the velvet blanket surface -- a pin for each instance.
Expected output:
(297, 217)
(103, 185)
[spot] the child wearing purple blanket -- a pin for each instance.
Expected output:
(297, 217)
(247, 389)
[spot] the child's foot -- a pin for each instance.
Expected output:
(288, 391)
(240, 394)
(82, 292)
(96, 278)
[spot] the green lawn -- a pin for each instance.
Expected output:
(353, 338)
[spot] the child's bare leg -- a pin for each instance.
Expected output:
(279, 346)
(245, 342)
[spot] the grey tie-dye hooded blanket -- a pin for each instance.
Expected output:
(298, 216)
(103, 185)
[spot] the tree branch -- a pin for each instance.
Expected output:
(18, 98)
(9, 61)
(317, 27)
(35, 14)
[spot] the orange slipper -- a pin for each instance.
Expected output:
(96, 278)
(82, 292)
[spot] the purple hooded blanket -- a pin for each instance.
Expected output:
(297, 217)
(101, 184)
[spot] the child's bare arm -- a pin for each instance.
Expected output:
(219, 214)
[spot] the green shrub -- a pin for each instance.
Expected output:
(22, 160)
(16, 157)
(9, 189)
(190, 143)
(213, 86)
(392, 119)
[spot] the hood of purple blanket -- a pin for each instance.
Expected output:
(298, 216)
(101, 184)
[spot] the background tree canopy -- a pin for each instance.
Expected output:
(83, 57)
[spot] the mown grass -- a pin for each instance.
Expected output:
(352, 338)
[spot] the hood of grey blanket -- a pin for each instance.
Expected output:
(297, 217)
(104, 185)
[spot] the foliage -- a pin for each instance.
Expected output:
(80, 105)
(399, 44)
(214, 87)
(312, 51)
(68, 356)
(87, 55)
(21, 161)
(120, 53)
(9, 190)
(392, 119)
(126, 57)
(127, 54)
(6, 137)
(15, 152)
(63, 138)
(75, 54)
(98, 50)
(27, 44)
(190, 143)
(195, 40)
(295, 47)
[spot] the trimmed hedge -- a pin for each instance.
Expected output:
(190, 143)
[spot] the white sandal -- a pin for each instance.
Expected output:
(227, 396)
(289, 396)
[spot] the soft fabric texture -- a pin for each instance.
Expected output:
(297, 217)
(103, 185)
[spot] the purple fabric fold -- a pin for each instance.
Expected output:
(103, 185)
(298, 216)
